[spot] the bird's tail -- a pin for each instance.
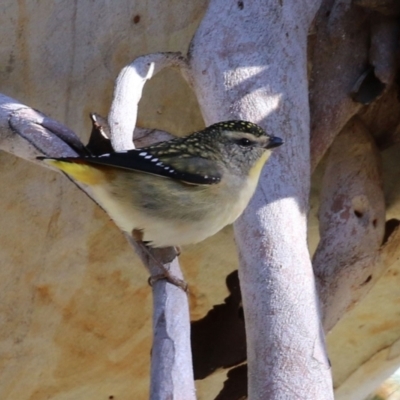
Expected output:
(78, 169)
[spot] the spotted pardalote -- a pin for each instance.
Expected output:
(180, 191)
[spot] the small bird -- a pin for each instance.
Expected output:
(180, 191)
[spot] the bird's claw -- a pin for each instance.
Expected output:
(169, 278)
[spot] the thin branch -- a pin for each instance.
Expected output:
(128, 92)
(171, 361)
(23, 134)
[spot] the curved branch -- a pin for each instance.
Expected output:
(27, 133)
(128, 92)
(347, 261)
(383, 52)
(339, 57)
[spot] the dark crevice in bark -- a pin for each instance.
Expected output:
(390, 226)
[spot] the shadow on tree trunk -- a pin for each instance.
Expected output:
(219, 341)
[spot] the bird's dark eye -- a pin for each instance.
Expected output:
(245, 142)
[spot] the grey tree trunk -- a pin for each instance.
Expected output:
(248, 61)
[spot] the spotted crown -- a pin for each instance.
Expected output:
(238, 126)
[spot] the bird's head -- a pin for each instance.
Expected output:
(242, 145)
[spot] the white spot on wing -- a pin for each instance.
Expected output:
(143, 153)
(105, 155)
(154, 160)
(148, 157)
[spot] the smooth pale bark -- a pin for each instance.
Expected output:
(248, 61)
(171, 357)
(128, 92)
(347, 261)
(23, 132)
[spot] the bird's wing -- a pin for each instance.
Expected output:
(190, 169)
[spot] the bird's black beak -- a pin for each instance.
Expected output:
(274, 142)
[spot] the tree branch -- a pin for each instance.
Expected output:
(26, 133)
(171, 358)
(347, 261)
(339, 57)
(128, 92)
(238, 70)
(171, 361)
(383, 51)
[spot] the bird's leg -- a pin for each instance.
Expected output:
(166, 273)
(138, 236)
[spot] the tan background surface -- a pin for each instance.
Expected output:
(75, 308)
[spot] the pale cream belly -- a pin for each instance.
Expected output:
(163, 232)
